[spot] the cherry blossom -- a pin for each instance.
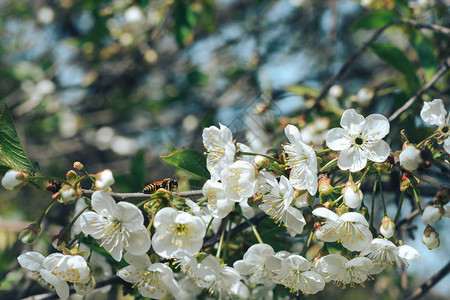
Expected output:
(218, 204)
(119, 226)
(240, 180)
(359, 139)
(14, 179)
(302, 160)
(409, 158)
(434, 113)
(71, 268)
(103, 180)
(253, 264)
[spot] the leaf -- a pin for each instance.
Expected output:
(399, 61)
(375, 19)
(12, 154)
(302, 90)
(190, 160)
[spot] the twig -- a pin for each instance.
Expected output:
(417, 25)
(142, 196)
(442, 70)
(427, 285)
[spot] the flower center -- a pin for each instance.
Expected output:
(359, 141)
(182, 229)
(445, 129)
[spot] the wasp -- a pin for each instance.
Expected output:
(169, 184)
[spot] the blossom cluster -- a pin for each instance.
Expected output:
(163, 240)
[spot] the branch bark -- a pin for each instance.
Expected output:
(142, 196)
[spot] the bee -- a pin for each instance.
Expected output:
(169, 184)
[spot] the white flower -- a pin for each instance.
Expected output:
(434, 113)
(33, 261)
(340, 270)
(220, 148)
(219, 205)
(432, 214)
(336, 91)
(152, 280)
(67, 267)
(430, 238)
(387, 228)
(116, 225)
(295, 274)
(359, 140)
(351, 229)
(383, 253)
(187, 289)
(239, 180)
(223, 278)
(14, 179)
(302, 160)
(353, 196)
(364, 96)
(253, 264)
(103, 180)
(177, 230)
(277, 204)
(409, 158)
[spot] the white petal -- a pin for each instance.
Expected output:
(376, 127)
(293, 134)
(103, 203)
(137, 260)
(378, 151)
(90, 221)
(354, 217)
(336, 140)
(447, 145)
(433, 112)
(130, 215)
(294, 220)
(61, 287)
(325, 213)
(139, 241)
(31, 261)
(331, 264)
(315, 282)
(352, 159)
(408, 252)
(352, 121)
(164, 217)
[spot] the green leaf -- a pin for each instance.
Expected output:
(399, 61)
(190, 160)
(375, 19)
(425, 51)
(12, 154)
(302, 90)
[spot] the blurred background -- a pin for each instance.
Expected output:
(116, 84)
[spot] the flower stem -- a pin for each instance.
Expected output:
(381, 192)
(239, 153)
(399, 207)
(209, 224)
(41, 218)
(76, 238)
(428, 138)
(329, 164)
(221, 241)
(151, 222)
(307, 243)
(51, 178)
(323, 151)
(417, 200)
(255, 232)
(202, 201)
(142, 202)
(372, 210)
(90, 251)
(76, 217)
(359, 182)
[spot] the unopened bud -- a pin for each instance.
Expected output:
(68, 195)
(14, 179)
(302, 198)
(103, 180)
(432, 214)
(261, 161)
(336, 91)
(325, 187)
(59, 241)
(442, 197)
(78, 166)
(430, 238)
(72, 176)
(408, 180)
(30, 233)
(409, 158)
(387, 228)
(352, 194)
(364, 96)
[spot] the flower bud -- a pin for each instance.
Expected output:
(103, 180)
(84, 289)
(14, 179)
(387, 228)
(78, 166)
(352, 195)
(409, 158)
(261, 161)
(364, 96)
(408, 180)
(336, 91)
(442, 197)
(67, 194)
(30, 233)
(432, 214)
(302, 198)
(325, 187)
(72, 176)
(430, 238)
(60, 240)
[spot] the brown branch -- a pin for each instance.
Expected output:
(427, 285)
(433, 27)
(442, 70)
(142, 196)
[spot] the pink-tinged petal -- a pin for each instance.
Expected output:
(336, 139)
(376, 127)
(103, 203)
(137, 260)
(352, 159)
(130, 215)
(378, 151)
(139, 241)
(91, 222)
(61, 287)
(293, 134)
(355, 218)
(164, 217)
(408, 252)
(323, 212)
(315, 282)
(352, 121)
(433, 112)
(31, 261)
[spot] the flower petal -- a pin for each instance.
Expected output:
(130, 215)
(31, 261)
(323, 212)
(314, 282)
(337, 140)
(378, 151)
(61, 287)
(293, 134)
(376, 127)
(408, 252)
(103, 203)
(139, 241)
(352, 121)
(352, 159)
(88, 220)
(137, 260)
(433, 112)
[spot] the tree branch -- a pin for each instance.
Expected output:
(442, 70)
(142, 196)
(427, 285)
